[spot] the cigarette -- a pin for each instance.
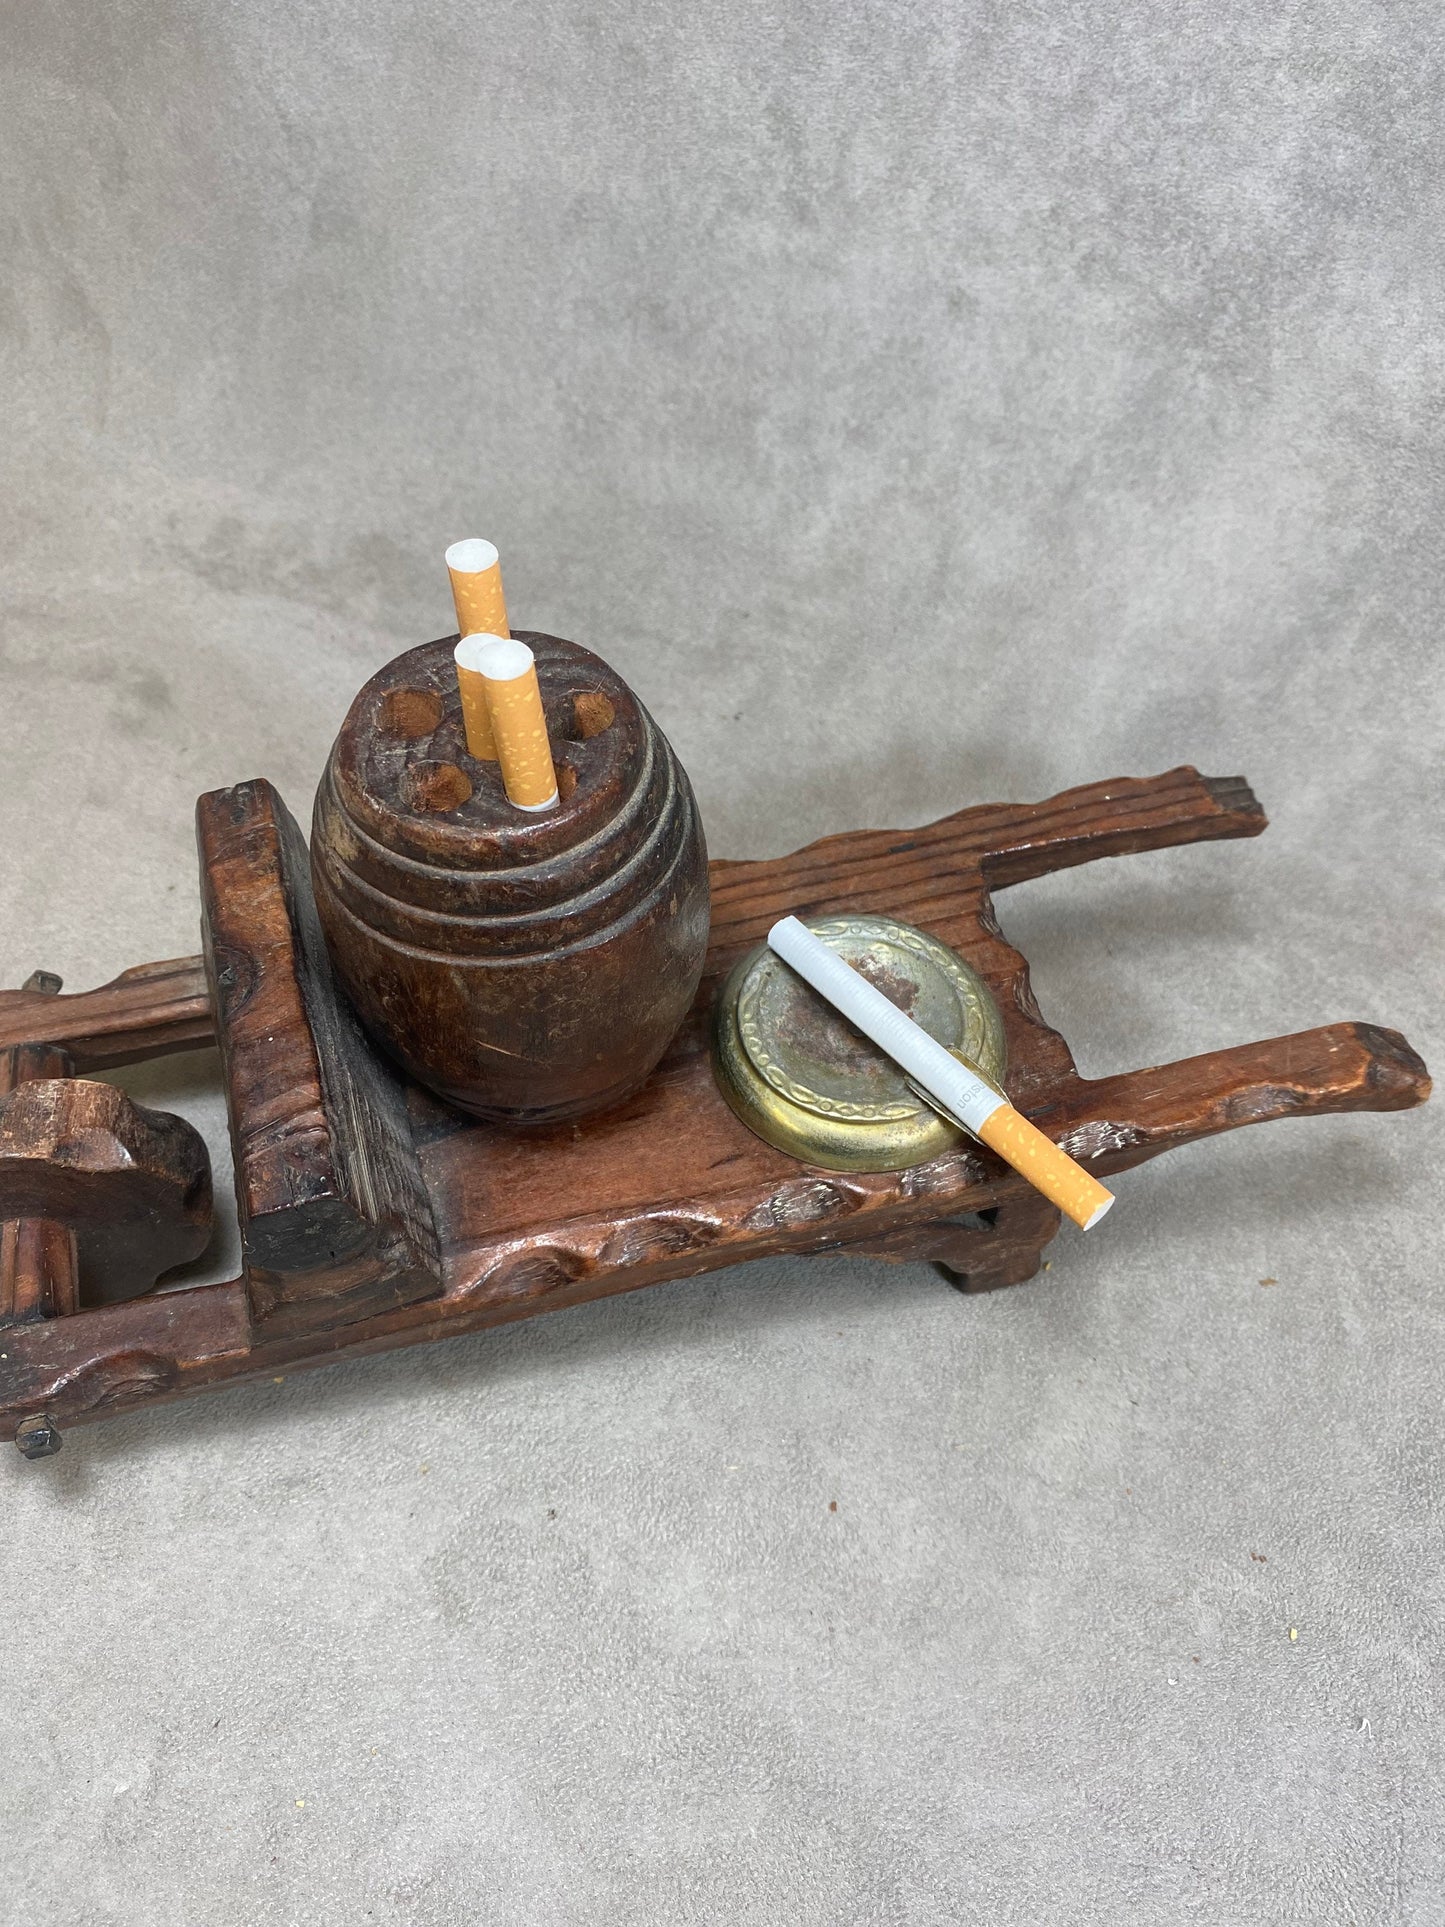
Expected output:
(475, 569)
(507, 672)
(476, 572)
(476, 717)
(959, 1091)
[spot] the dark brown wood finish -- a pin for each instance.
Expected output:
(133, 1184)
(152, 1011)
(527, 967)
(335, 1223)
(669, 1183)
(39, 1263)
(99, 1196)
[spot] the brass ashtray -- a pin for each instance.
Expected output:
(800, 1075)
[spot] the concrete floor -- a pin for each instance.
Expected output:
(919, 407)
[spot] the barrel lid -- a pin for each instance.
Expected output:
(401, 774)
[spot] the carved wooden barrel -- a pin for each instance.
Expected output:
(528, 968)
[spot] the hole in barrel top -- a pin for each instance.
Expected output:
(437, 787)
(566, 780)
(592, 712)
(411, 713)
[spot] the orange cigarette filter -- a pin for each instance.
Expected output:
(1047, 1168)
(476, 717)
(508, 673)
(476, 572)
(475, 569)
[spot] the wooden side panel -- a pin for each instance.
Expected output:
(335, 1221)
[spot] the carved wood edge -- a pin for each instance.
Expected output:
(155, 1009)
(175, 1343)
(335, 1220)
(1110, 1123)
(1122, 818)
(1011, 842)
(1120, 1121)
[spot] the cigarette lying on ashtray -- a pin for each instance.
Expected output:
(957, 1090)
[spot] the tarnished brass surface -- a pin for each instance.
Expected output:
(803, 1078)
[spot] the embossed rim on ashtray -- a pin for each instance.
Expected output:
(798, 1076)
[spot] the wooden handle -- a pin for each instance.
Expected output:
(1342, 1067)
(938, 875)
(1119, 818)
(150, 1011)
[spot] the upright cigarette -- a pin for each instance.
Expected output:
(508, 672)
(475, 569)
(975, 1104)
(476, 717)
(476, 572)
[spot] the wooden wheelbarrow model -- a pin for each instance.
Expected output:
(372, 1215)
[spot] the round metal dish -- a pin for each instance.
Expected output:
(803, 1078)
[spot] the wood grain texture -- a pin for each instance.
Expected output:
(669, 1183)
(151, 1011)
(335, 1223)
(984, 1250)
(39, 1263)
(39, 1270)
(1342, 1067)
(134, 1185)
(526, 967)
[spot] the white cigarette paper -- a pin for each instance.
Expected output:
(892, 1030)
(958, 1089)
(508, 672)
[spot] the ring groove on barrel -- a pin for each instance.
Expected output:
(669, 835)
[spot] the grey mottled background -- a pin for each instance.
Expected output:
(920, 404)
